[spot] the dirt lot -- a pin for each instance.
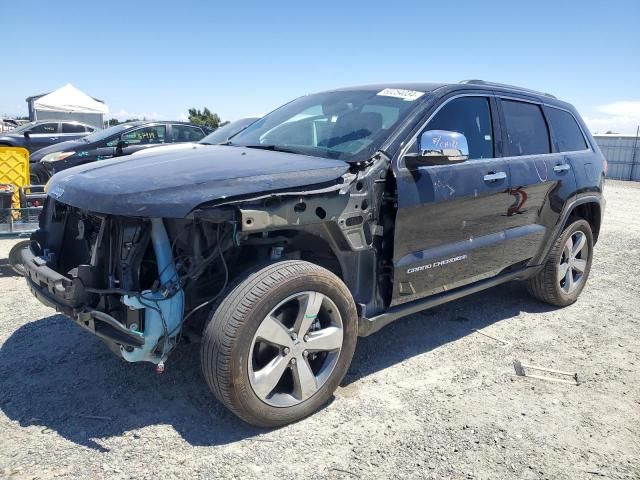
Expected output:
(427, 397)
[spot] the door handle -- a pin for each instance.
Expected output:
(494, 177)
(53, 138)
(562, 168)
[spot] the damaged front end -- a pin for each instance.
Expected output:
(136, 280)
(118, 276)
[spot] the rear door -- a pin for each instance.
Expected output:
(181, 133)
(72, 131)
(541, 179)
(450, 220)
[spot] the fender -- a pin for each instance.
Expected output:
(541, 258)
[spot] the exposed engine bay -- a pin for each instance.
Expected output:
(136, 282)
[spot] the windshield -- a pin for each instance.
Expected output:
(102, 134)
(347, 125)
(224, 133)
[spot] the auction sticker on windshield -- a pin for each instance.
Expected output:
(407, 95)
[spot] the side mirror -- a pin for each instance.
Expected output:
(439, 147)
(27, 134)
(120, 146)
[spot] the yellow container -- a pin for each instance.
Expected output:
(14, 169)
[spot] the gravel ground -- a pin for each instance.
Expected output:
(427, 397)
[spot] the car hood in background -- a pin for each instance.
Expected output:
(165, 148)
(172, 183)
(74, 145)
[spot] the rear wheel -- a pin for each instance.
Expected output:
(565, 273)
(279, 344)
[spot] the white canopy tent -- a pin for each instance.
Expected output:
(69, 103)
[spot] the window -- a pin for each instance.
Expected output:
(470, 116)
(72, 128)
(146, 135)
(185, 133)
(527, 132)
(45, 128)
(567, 135)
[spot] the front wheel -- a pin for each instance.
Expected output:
(38, 174)
(279, 344)
(565, 273)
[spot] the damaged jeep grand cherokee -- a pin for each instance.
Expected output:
(325, 220)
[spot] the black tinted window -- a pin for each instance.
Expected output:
(470, 116)
(45, 128)
(72, 128)
(527, 132)
(567, 135)
(185, 133)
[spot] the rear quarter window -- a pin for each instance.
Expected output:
(567, 136)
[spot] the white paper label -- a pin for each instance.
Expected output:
(407, 95)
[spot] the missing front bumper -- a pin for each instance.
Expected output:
(61, 293)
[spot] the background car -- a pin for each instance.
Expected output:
(224, 133)
(219, 135)
(117, 141)
(36, 135)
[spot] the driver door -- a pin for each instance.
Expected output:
(142, 138)
(450, 220)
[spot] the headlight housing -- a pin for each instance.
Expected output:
(56, 156)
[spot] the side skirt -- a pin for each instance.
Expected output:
(367, 326)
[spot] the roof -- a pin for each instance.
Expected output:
(429, 87)
(70, 100)
(35, 97)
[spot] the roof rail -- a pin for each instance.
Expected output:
(504, 85)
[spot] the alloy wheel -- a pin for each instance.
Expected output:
(573, 262)
(295, 349)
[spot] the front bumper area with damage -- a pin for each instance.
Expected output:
(65, 295)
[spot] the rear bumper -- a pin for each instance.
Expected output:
(67, 296)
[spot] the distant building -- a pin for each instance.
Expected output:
(67, 103)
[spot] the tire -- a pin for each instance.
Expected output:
(550, 285)
(38, 175)
(233, 342)
(15, 257)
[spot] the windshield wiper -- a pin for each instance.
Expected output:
(275, 148)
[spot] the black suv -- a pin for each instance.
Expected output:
(116, 141)
(36, 135)
(327, 219)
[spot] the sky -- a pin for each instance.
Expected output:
(156, 59)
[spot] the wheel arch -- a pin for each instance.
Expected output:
(324, 245)
(589, 208)
(591, 211)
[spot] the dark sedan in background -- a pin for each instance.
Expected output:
(117, 141)
(43, 133)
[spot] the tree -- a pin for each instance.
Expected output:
(114, 121)
(204, 117)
